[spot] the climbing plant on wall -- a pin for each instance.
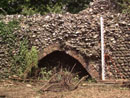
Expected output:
(21, 58)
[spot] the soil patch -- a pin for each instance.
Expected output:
(13, 89)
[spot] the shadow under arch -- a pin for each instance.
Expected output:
(60, 59)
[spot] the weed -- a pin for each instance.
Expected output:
(91, 80)
(44, 74)
(20, 57)
(31, 60)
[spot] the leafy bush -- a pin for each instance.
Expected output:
(41, 6)
(19, 62)
(122, 5)
(6, 32)
(29, 7)
(125, 6)
(45, 74)
(20, 57)
(31, 60)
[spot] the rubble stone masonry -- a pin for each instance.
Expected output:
(79, 36)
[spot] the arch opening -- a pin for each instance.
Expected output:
(59, 59)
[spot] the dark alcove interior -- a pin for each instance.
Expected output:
(60, 59)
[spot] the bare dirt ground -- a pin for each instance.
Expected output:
(13, 89)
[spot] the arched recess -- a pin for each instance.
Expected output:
(58, 52)
(59, 59)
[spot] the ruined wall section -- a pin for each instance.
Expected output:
(81, 33)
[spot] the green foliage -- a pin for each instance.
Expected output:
(123, 5)
(45, 74)
(56, 8)
(31, 60)
(21, 58)
(74, 6)
(32, 57)
(91, 80)
(8, 38)
(126, 6)
(6, 32)
(29, 7)
(24, 60)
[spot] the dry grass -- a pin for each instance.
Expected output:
(13, 89)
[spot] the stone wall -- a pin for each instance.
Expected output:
(79, 35)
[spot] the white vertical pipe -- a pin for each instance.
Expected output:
(102, 48)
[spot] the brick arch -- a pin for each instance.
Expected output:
(57, 47)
